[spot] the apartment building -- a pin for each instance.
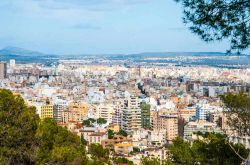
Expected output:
(76, 112)
(105, 111)
(200, 126)
(168, 122)
(131, 114)
(202, 111)
(60, 106)
(3, 70)
(47, 111)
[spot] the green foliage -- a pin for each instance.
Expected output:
(57, 145)
(110, 134)
(123, 133)
(150, 161)
(99, 154)
(83, 141)
(219, 19)
(18, 124)
(89, 122)
(122, 161)
(101, 121)
(215, 149)
(237, 109)
(181, 152)
(136, 149)
(25, 139)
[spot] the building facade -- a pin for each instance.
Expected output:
(131, 114)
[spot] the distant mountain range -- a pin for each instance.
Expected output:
(15, 51)
(217, 58)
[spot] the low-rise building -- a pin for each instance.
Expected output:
(123, 148)
(200, 126)
(97, 137)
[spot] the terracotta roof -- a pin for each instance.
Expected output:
(98, 134)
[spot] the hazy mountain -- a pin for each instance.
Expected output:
(15, 51)
(180, 58)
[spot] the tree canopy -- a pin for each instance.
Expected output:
(214, 149)
(101, 121)
(110, 134)
(99, 154)
(25, 139)
(122, 132)
(56, 145)
(150, 161)
(89, 122)
(18, 124)
(122, 161)
(237, 110)
(219, 19)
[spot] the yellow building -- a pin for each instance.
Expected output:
(80, 107)
(123, 148)
(117, 139)
(114, 127)
(77, 112)
(47, 111)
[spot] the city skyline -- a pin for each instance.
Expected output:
(99, 27)
(115, 82)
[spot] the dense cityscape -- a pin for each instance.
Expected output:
(137, 111)
(125, 82)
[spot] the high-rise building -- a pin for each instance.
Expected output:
(60, 105)
(145, 115)
(116, 116)
(131, 114)
(3, 70)
(165, 122)
(12, 63)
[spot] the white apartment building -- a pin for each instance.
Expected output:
(202, 111)
(116, 116)
(105, 111)
(131, 114)
(60, 106)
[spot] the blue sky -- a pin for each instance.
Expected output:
(98, 26)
